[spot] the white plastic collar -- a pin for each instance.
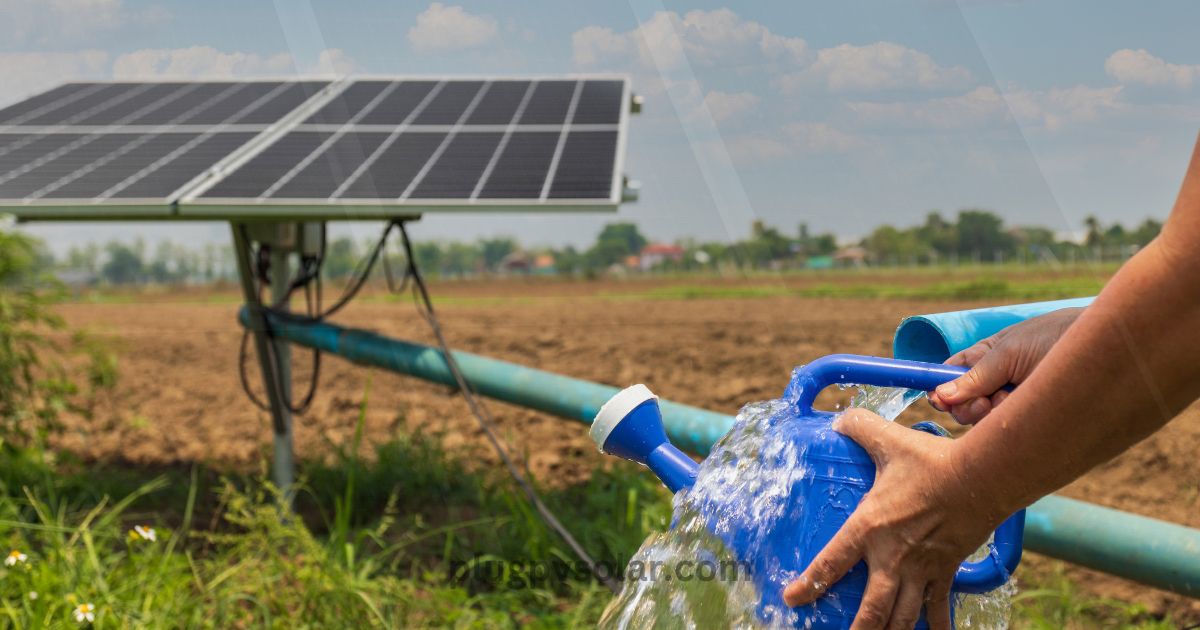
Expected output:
(616, 409)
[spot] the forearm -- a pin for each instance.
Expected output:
(1126, 367)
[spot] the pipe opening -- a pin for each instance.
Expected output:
(917, 339)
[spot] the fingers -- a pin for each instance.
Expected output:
(833, 562)
(869, 430)
(908, 606)
(937, 606)
(877, 602)
(973, 411)
(991, 373)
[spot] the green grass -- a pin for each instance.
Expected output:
(410, 539)
(407, 537)
(989, 289)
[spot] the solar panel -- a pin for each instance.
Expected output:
(367, 147)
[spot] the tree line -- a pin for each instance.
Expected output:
(972, 235)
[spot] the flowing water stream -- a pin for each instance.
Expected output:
(687, 578)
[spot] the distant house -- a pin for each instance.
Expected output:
(515, 263)
(853, 256)
(543, 265)
(656, 254)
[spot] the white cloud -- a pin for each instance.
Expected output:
(52, 22)
(333, 61)
(983, 106)
(198, 62)
(704, 37)
(443, 28)
(1141, 67)
(820, 138)
(1061, 106)
(810, 138)
(726, 105)
(875, 67)
(23, 74)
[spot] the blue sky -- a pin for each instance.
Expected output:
(842, 115)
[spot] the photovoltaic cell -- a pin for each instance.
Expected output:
(287, 100)
(499, 104)
(394, 169)
(257, 175)
(225, 109)
(325, 173)
(76, 155)
(397, 106)
(146, 100)
(348, 103)
(599, 103)
(456, 171)
(549, 103)
(61, 93)
(103, 98)
(205, 95)
(22, 152)
(449, 104)
(521, 170)
(172, 175)
(585, 167)
(96, 181)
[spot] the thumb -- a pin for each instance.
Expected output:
(991, 373)
(869, 430)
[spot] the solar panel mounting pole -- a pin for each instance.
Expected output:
(275, 373)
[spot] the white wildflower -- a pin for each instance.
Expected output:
(16, 557)
(85, 612)
(144, 532)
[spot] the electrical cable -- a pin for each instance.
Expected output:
(484, 418)
(412, 277)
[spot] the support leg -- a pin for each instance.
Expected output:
(273, 372)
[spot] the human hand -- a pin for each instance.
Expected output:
(1008, 356)
(913, 528)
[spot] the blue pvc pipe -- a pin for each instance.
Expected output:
(934, 338)
(1147, 550)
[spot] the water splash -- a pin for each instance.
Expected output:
(687, 578)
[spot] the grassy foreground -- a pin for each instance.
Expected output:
(405, 538)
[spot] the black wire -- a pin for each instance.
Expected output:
(484, 418)
(309, 271)
(425, 308)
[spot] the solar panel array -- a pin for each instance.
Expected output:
(91, 142)
(214, 147)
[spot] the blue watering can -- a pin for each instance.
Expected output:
(839, 473)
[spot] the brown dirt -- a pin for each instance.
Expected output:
(178, 398)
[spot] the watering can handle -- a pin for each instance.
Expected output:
(1005, 550)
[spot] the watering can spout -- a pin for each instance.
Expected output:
(630, 426)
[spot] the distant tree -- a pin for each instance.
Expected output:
(981, 232)
(1094, 235)
(569, 261)
(429, 256)
(460, 259)
(493, 250)
(341, 257)
(766, 244)
(124, 264)
(886, 243)
(1145, 232)
(616, 242)
(938, 234)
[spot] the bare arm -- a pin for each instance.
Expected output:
(1128, 364)
(1124, 368)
